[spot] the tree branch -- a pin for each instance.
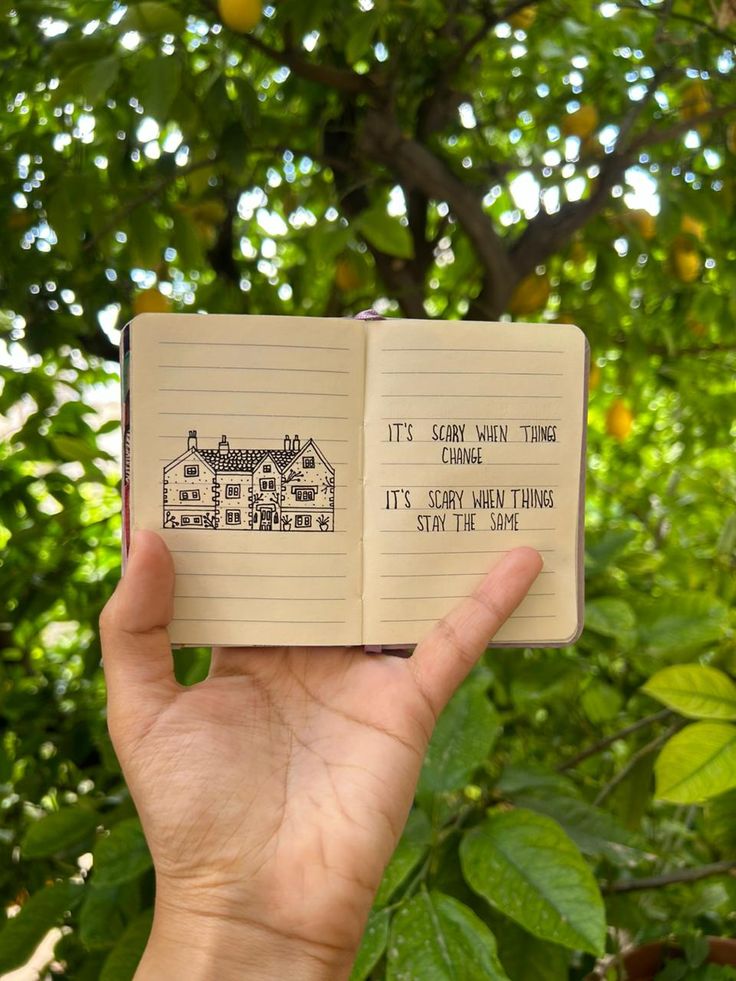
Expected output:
(342, 79)
(650, 747)
(416, 166)
(669, 878)
(604, 743)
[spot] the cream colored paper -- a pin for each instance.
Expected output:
(254, 380)
(419, 552)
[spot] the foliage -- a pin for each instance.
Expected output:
(409, 156)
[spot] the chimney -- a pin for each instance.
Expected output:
(192, 441)
(223, 447)
(295, 445)
(287, 444)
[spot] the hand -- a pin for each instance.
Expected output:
(273, 793)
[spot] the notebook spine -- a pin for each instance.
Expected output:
(125, 433)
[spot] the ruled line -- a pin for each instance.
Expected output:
(267, 439)
(294, 347)
(242, 620)
(462, 395)
(481, 551)
(271, 391)
(251, 391)
(494, 463)
(473, 442)
(250, 575)
(463, 486)
(444, 597)
(514, 616)
(472, 418)
(279, 599)
(253, 415)
(536, 374)
(240, 367)
(476, 350)
(276, 555)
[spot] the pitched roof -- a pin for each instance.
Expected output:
(246, 461)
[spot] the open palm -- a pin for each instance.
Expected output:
(273, 793)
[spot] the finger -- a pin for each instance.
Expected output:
(447, 654)
(136, 653)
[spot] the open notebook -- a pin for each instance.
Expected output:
(333, 481)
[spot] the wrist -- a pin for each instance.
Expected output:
(200, 942)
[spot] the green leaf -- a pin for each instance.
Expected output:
(152, 17)
(435, 936)
(527, 958)
(90, 81)
(121, 856)
(57, 832)
(461, 742)
(372, 946)
(681, 623)
(45, 909)
(527, 867)
(719, 820)
(610, 617)
(594, 831)
(105, 912)
(411, 849)
(601, 702)
(362, 28)
(694, 690)
(697, 763)
(518, 778)
(384, 232)
(159, 80)
(123, 959)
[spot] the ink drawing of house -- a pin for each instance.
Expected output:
(291, 488)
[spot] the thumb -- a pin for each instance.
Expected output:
(136, 653)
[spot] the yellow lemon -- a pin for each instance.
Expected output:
(578, 253)
(695, 100)
(151, 301)
(240, 16)
(347, 274)
(530, 295)
(685, 261)
(643, 222)
(523, 19)
(619, 420)
(582, 123)
(691, 226)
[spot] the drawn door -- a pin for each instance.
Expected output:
(266, 519)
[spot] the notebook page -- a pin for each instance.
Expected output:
(246, 456)
(473, 445)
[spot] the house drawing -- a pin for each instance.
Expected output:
(291, 488)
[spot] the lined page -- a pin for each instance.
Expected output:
(473, 445)
(247, 458)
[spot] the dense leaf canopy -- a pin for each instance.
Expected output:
(560, 161)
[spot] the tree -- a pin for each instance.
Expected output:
(558, 161)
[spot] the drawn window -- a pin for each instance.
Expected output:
(303, 521)
(267, 468)
(185, 519)
(304, 493)
(309, 463)
(232, 490)
(232, 517)
(189, 495)
(191, 470)
(268, 483)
